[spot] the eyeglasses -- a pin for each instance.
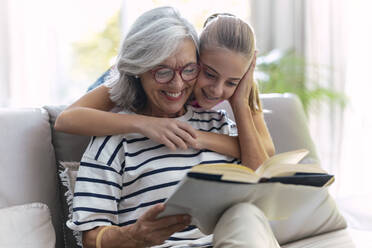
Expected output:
(164, 74)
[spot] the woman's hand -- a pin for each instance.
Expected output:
(150, 230)
(172, 133)
(243, 91)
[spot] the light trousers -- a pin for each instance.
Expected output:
(244, 225)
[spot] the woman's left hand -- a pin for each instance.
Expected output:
(242, 92)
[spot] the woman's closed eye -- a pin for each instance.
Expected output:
(189, 70)
(164, 72)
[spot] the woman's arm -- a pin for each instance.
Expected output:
(255, 147)
(254, 139)
(90, 116)
(230, 145)
(263, 132)
(147, 231)
(220, 143)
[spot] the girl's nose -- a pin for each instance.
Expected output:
(217, 89)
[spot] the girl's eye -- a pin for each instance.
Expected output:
(209, 75)
(231, 84)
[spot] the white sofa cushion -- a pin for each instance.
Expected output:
(336, 239)
(26, 226)
(317, 218)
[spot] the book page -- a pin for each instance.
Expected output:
(282, 170)
(291, 157)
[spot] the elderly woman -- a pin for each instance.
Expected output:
(123, 179)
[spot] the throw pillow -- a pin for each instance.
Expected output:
(68, 173)
(27, 226)
(313, 219)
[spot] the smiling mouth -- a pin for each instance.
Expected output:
(173, 96)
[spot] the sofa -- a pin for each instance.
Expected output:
(33, 207)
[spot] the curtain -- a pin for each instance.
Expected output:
(38, 62)
(326, 51)
(4, 55)
(339, 45)
(335, 38)
(355, 153)
(278, 24)
(28, 41)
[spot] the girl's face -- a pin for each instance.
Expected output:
(221, 72)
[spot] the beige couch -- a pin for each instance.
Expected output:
(30, 148)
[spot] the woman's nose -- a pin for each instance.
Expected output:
(177, 82)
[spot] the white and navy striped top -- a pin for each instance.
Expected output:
(122, 176)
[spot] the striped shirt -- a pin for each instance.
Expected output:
(122, 176)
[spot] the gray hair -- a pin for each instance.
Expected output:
(153, 37)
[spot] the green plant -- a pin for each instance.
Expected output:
(283, 72)
(94, 55)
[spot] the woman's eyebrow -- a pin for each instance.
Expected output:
(169, 66)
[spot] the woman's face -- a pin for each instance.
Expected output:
(221, 71)
(168, 99)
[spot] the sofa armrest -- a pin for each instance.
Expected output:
(28, 167)
(287, 123)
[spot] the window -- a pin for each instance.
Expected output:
(53, 50)
(42, 47)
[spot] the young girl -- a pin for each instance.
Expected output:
(227, 62)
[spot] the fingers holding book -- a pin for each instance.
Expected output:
(149, 230)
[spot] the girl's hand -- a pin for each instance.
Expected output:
(242, 92)
(150, 230)
(172, 133)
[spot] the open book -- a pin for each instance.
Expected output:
(278, 187)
